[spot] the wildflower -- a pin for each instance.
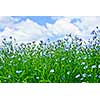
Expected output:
(63, 78)
(58, 41)
(84, 75)
(76, 38)
(97, 27)
(90, 42)
(80, 39)
(63, 59)
(93, 32)
(41, 41)
(68, 72)
(89, 75)
(52, 71)
(19, 59)
(44, 43)
(0, 48)
(1, 67)
(9, 76)
(81, 78)
(37, 77)
(79, 58)
(18, 71)
(66, 39)
(94, 66)
(99, 66)
(12, 56)
(77, 76)
(85, 67)
(70, 35)
(4, 43)
(83, 63)
(48, 40)
(77, 52)
(98, 76)
(4, 39)
(98, 31)
(10, 37)
(94, 37)
(96, 42)
(33, 42)
(49, 55)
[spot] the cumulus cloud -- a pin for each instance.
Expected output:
(7, 21)
(63, 26)
(28, 30)
(84, 24)
(24, 31)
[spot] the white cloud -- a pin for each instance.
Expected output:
(62, 27)
(88, 23)
(25, 31)
(7, 21)
(28, 30)
(82, 25)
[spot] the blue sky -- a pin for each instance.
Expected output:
(29, 28)
(42, 20)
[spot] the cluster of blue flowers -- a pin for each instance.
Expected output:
(68, 60)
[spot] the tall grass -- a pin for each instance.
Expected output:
(69, 60)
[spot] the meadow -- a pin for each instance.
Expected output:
(68, 60)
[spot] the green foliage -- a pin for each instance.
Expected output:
(51, 62)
